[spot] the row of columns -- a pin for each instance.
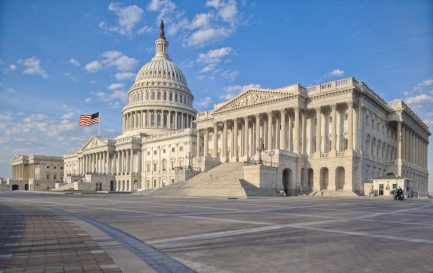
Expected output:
(412, 147)
(157, 119)
(274, 135)
(102, 162)
(18, 171)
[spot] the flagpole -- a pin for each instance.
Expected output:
(99, 123)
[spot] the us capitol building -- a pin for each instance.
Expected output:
(331, 137)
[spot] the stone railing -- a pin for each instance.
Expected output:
(340, 154)
(331, 85)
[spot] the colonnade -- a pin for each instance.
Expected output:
(413, 148)
(296, 130)
(157, 118)
(19, 171)
(119, 162)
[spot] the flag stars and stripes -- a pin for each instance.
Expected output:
(87, 120)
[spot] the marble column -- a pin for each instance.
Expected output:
(304, 132)
(350, 127)
(198, 143)
(257, 135)
(215, 141)
(245, 136)
(318, 131)
(277, 132)
(224, 143)
(235, 140)
(296, 133)
(334, 128)
(206, 142)
(283, 131)
(269, 131)
(290, 132)
(399, 147)
(132, 169)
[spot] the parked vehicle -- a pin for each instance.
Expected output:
(398, 194)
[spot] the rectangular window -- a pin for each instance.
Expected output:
(154, 167)
(147, 167)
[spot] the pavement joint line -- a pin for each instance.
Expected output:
(156, 259)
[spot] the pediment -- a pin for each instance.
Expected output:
(94, 142)
(253, 97)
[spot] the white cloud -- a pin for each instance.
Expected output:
(87, 100)
(111, 97)
(68, 115)
(201, 20)
(205, 102)
(214, 55)
(145, 29)
(112, 58)
(204, 36)
(212, 58)
(70, 76)
(127, 18)
(118, 60)
(120, 76)
(419, 100)
(35, 117)
(234, 90)
(336, 72)
(164, 7)
(230, 74)
(115, 86)
(74, 62)
(93, 66)
(228, 12)
(32, 66)
(12, 67)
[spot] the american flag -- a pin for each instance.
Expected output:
(87, 120)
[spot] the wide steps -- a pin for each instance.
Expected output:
(223, 180)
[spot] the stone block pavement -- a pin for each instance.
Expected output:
(34, 240)
(42, 232)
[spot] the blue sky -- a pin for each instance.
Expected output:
(60, 59)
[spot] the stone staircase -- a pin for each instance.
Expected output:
(333, 193)
(225, 180)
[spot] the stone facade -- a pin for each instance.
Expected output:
(329, 137)
(332, 136)
(35, 172)
(158, 135)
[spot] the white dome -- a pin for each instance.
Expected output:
(160, 68)
(159, 101)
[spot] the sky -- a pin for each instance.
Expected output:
(60, 59)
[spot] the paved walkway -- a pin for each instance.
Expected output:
(35, 240)
(42, 232)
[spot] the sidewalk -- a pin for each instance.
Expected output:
(34, 240)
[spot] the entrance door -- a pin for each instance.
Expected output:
(15, 187)
(286, 181)
(380, 189)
